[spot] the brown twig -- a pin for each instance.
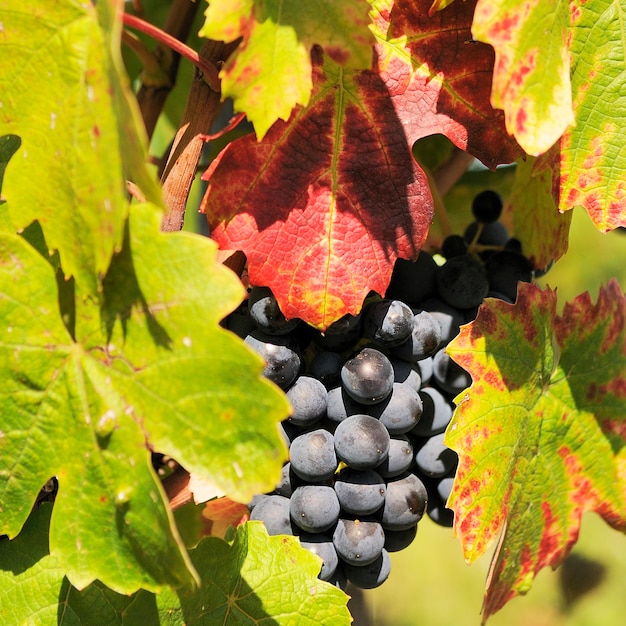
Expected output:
(203, 106)
(153, 94)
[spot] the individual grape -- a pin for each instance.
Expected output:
(314, 508)
(439, 513)
(453, 245)
(424, 339)
(425, 368)
(308, 400)
(436, 413)
(491, 234)
(372, 575)
(449, 375)
(341, 334)
(239, 321)
(462, 282)
(412, 281)
(434, 458)
(514, 245)
(360, 492)
(444, 487)
(400, 412)
(388, 323)
(266, 314)
(368, 377)
(396, 540)
(405, 502)
(449, 318)
(282, 361)
(326, 367)
(358, 542)
(312, 455)
(399, 458)
(287, 483)
(322, 545)
(340, 405)
(487, 206)
(273, 511)
(361, 442)
(505, 269)
(405, 373)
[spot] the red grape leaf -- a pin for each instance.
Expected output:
(439, 77)
(541, 432)
(270, 71)
(542, 229)
(531, 77)
(328, 200)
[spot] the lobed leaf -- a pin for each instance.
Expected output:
(531, 77)
(324, 205)
(256, 579)
(66, 93)
(270, 71)
(541, 431)
(542, 229)
(147, 369)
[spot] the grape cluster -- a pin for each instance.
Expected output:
(371, 400)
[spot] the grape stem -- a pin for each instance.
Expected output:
(209, 71)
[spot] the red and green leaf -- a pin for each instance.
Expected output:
(270, 71)
(531, 77)
(327, 201)
(541, 433)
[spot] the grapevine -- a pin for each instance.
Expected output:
(373, 336)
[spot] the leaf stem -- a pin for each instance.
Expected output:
(209, 70)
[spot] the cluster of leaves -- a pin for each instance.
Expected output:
(111, 349)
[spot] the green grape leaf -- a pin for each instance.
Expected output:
(147, 368)
(33, 588)
(255, 579)
(324, 205)
(65, 96)
(541, 432)
(531, 77)
(270, 71)
(542, 229)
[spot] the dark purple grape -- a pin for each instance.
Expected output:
(396, 540)
(399, 458)
(505, 269)
(326, 367)
(368, 377)
(405, 502)
(424, 339)
(282, 361)
(358, 542)
(308, 398)
(400, 412)
(453, 245)
(372, 575)
(266, 314)
(273, 511)
(412, 281)
(341, 334)
(434, 458)
(321, 544)
(314, 508)
(449, 318)
(436, 413)
(487, 206)
(449, 375)
(361, 442)
(312, 455)
(405, 373)
(491, 234)
(388, 323)
(340, 405)
(444, 487)
(360, 492)
(462, 282)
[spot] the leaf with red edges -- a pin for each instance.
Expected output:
(439, 77)
(270, 71)
(541, 228)
(588, 165)
(541, 432)
(325, 204)
(531, 78)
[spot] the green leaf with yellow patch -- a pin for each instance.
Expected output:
(541, 432)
